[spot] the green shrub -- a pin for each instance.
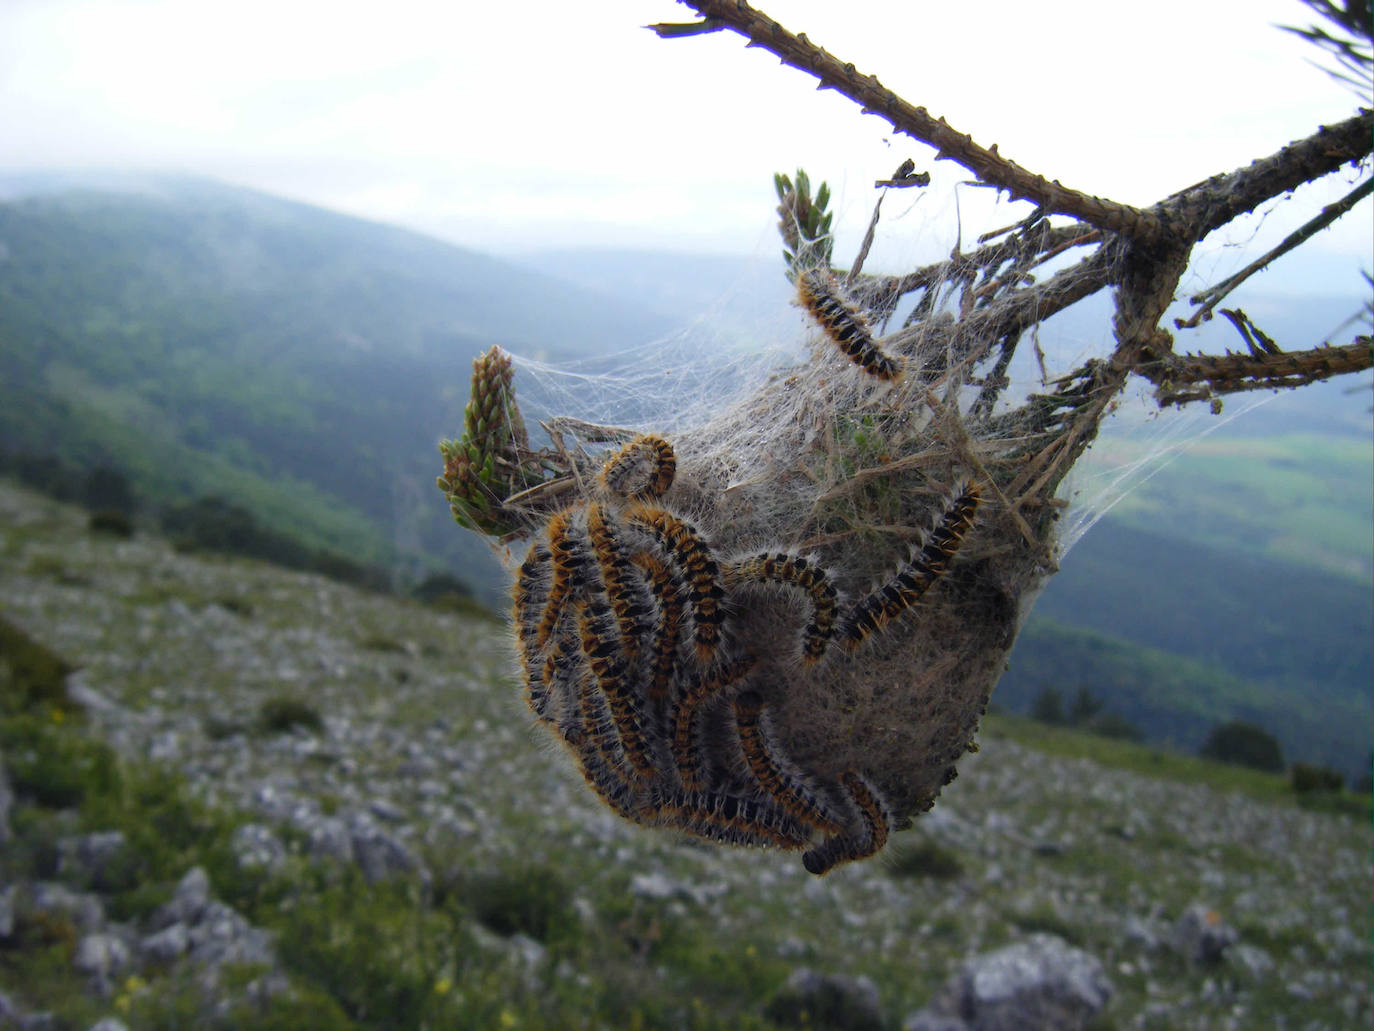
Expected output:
(530, 899)
(1307, 778)
(113, 522)
(31, 674)
(1244, 744)
(107, 489)
(440, 585)
(1114, 726)
(53, 767)
(1048, 707)
(280, 715)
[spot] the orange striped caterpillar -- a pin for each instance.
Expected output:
(572, 567)
(776, 776)
(733, 819)
(842, 323)
(682, 729)
(694, 558)
(646, 450)
(598, 754)
(796, 570)
(631, 609)
(915, 578)
(664, 584)
(528, 600)
(670, 735)
(874, 827)
(601, 645)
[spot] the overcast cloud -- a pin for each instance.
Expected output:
(515, 126)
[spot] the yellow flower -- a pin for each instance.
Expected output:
(443, 986)
(58, 715)
(507, 1018)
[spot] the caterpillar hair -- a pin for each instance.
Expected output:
(699, 690)
(668, 590)
(733, 819)
(573, 572)
(915, 578)
(601, 645)
(632, 611)
(598, 757)
(694, 558)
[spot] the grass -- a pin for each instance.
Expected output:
(1310, 491)
(528, 918)
(386, 955)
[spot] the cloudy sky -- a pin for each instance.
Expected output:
(511, 127)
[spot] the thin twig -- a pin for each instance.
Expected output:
(867, 243)
(1210, 298)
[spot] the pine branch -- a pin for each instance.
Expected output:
(1213, 375)
(1207, 206)
(950, 144)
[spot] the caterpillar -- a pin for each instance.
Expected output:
(916, 577)
(666, 588)
(597, 755)
(700, 689)
(842, 323)
(690, 552)
(529, 586)
(573, 570)
(875, 825)
(733, 819)
(775, 775)
(607, 662)
(812, 579)
(649, 450)
(632, 610)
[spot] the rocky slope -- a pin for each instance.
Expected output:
(1186, 907)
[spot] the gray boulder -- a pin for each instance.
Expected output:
(102, 958)
(87, 857)
(204, 930)
(1202, 936)
(85, 910)
(1040, 984)
(381, 855)
(255, 846)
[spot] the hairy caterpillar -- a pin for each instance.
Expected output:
(819, 295)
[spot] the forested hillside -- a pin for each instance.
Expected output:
(208, 339)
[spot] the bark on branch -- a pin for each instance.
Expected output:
(1202, 377)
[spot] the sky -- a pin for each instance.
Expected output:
(517, 127)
